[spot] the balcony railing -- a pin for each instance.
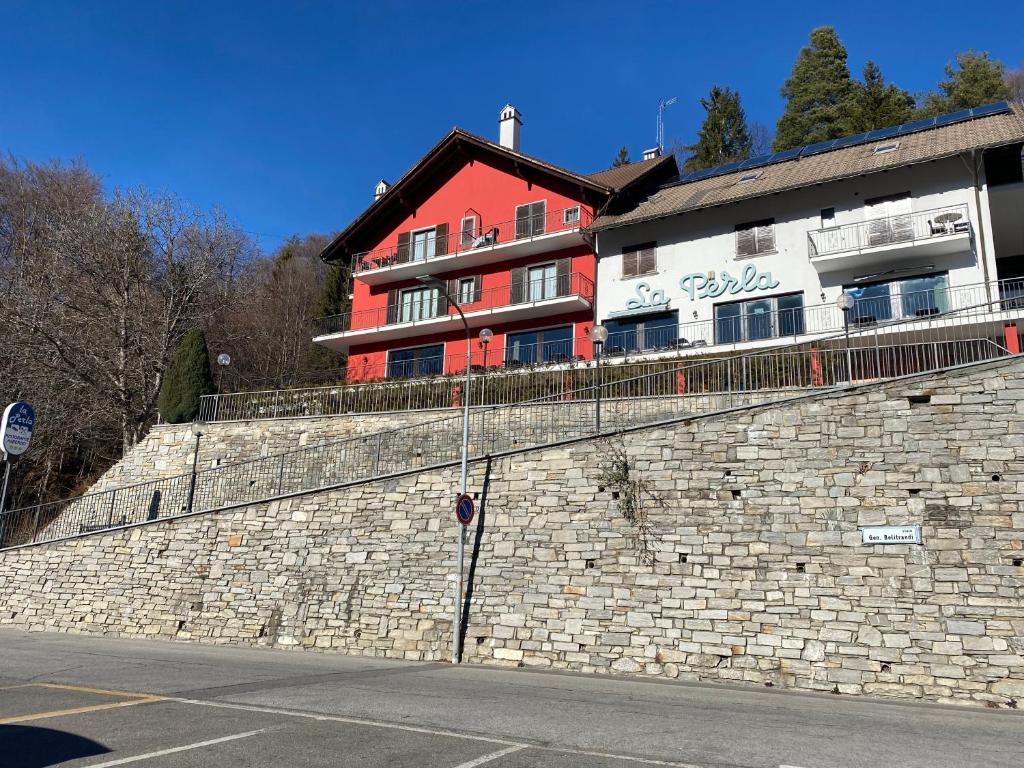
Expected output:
(419, 305)
(891, 230)
(523, 229)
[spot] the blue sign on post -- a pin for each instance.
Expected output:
(16, 428)
(464, 509)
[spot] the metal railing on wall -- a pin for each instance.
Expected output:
(889, 230)
(558, 367)
(681, 390)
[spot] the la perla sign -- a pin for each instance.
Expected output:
(700, 285)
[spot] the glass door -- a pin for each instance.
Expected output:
(543, 282)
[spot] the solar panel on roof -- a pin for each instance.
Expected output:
(821, 146)
(786, 154)
(953, 117)
(917, 125)
(727, 168)
(848, 140)
(882, 133)
(754, 162)
(990, 109)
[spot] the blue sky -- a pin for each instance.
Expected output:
(286, 114)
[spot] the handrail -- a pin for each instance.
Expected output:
(889, 230)
(679, 391)
(481, 237)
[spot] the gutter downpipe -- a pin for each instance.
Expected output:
(981, 225)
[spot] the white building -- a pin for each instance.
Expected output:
(913, 221)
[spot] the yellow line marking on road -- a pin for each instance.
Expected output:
(98, 691)
(77, 710)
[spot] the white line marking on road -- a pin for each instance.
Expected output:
(490, 757)
(428, 731)
(172, 750)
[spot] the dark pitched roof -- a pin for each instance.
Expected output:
(622, 176)
(832, 165)
(455, 143)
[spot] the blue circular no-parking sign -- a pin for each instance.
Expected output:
(464, 509)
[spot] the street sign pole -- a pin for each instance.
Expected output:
(3, 493)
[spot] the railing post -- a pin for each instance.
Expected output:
(35, 524)
(376, 464)
(110, 510)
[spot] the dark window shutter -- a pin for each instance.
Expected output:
(440, 239)
(403, 247)
(630, 264)
(766, 237)
(746, 241)
(538, 215)
(648, 260)
(442, 304)
(478, 287)
(393, 305)
(453, 290)
(518, 286)
(522, 221)
(563, 274)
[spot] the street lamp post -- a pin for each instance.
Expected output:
(598, 335)
(485, 335)
(223, 361)
(846, 302)
(197, 432)
(441, 286)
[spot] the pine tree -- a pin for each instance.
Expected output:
(333, 300)
(724, 136)
(875, 104)
(186, 379)
(975, 80)
(622, 158)
(817, 93)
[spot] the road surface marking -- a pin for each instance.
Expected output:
(98, 691)
(173, 750)
(490, 757)
(428, 731)
(75, 711)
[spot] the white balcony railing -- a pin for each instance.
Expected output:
(889, 231)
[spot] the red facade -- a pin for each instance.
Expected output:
(506, 237)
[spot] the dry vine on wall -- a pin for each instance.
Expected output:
(635, 497)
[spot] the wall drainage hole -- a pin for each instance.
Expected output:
(600, 489)
(886, 668)
(914, 491)
(480, 639)
(1018, 561)
(918, 399)
(801, 567)
(736, 493)
(682, 558)
(181, 625)
(615, 494)
(996, 478)
(728, 473)
(589, 564)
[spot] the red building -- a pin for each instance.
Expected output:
(505, 233)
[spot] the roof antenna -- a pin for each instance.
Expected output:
(662, 105)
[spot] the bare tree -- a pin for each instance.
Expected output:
(1015, 84)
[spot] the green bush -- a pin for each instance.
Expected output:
(186, 379)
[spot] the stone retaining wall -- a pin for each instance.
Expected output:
(727, 549)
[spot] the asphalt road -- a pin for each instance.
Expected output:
(85, 701)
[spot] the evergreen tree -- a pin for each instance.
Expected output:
(333, 300)
(622, 158)
(875, 104)
(724, 136)
(817, 93)
(974, 80)
(186, 379)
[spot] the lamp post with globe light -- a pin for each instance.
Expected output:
(598, 336)
(223, 361)
(485, 336)
(846, 302)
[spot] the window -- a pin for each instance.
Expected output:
(530, 219)
(755, 237)
(761, 318)
(897, 299)
(888, 219)
(551, 345)
(467, 288)
(889, 146)
(639, 260)
(468, 230)
(828, 217)
(571, 215)
(643, 333)
(542, 282)
(423, 243)
(418, 304)
(421, 361)
(753, 175)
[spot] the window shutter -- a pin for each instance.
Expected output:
(468, 230)
(766, 236)
(442, 303)
(453, 290)
(518, 286)
(440, 239)
(538, 214)
(403, 247)
(522, 221)
(746, 241)
(563, 276)
(630, 264)
(478, 286)
(393, 302)
(647, 260)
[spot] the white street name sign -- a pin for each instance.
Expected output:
(901, 534)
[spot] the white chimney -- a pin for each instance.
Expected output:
(380, 189)
(653, 152)
(509, 124)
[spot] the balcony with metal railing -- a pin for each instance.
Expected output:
(474, 244)
(423, 311)
(934, 232)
